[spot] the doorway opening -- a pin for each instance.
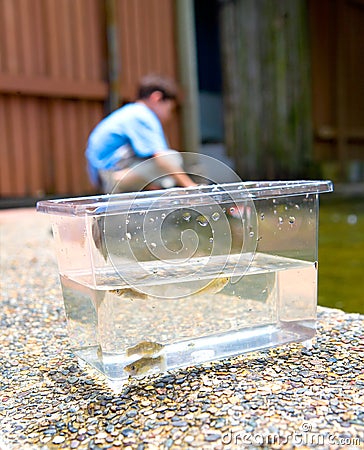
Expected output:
(210, 84)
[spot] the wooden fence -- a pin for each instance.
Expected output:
(54, 83)
(337, 60)
(293, 88)
(266, 87)
(57, 75)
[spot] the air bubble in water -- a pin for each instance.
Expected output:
(215, 216)
(186, 216)
(163, 216)
(201, 220)
(232, 209)
(280, 220)
(128, 235)
(251, 233)
(151, 220)
(262, 216)
(153, 244)
(211, 239)
(292, 220)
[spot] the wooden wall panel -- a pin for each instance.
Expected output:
(265, 62)
(147, 41)
(338, 90)
(147, 45)
(354, 62)
(52, 93)
(6, 168)
(34, 111)
(53, 84)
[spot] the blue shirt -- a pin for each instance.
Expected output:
(134, 125)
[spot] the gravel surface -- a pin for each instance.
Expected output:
(287, 397)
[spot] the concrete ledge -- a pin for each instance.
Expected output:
(280, 398)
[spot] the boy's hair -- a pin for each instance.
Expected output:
(151, 83)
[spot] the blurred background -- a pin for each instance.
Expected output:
(273, 88)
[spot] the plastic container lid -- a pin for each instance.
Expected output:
(182, 197)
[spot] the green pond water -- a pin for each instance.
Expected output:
(341, 253)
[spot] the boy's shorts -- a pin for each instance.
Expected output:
(146, 171)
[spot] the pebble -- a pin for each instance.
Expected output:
(127, 432)
(212, 437)
(72, 380)
(47, 400)
(58, 440)
(180, 423)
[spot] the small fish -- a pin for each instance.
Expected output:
(145, 348)
(99, 352)
(144, 365)
(215, 286)
(98, 236)
(130, 293)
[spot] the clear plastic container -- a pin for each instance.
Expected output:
(157, 280)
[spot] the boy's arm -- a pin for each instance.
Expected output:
(175, 171)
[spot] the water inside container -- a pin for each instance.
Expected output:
(180, 321)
